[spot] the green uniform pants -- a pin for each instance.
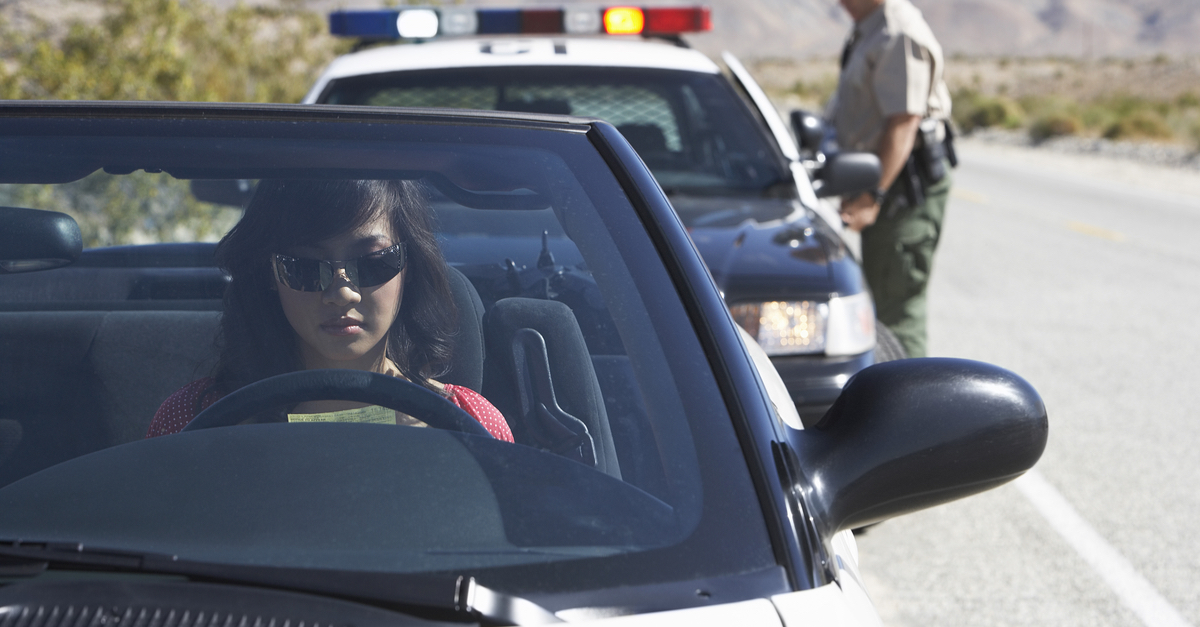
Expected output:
(897, 259)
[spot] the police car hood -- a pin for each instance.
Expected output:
(761, 247)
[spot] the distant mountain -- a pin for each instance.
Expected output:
(1073, 28)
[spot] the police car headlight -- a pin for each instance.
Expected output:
(840, 326)
(851, 326)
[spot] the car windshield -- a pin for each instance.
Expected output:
(689, 127)
(555, 307)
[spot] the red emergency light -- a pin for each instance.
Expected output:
(673, 20)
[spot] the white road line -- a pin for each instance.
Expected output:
(1131, 587)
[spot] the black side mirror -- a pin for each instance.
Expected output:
(809, 130)
(910, 434)
(847, 173)
(32, 240)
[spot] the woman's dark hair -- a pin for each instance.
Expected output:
(256, 340)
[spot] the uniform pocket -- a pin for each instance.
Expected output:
(908, 271)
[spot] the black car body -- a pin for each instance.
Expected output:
(703, 502)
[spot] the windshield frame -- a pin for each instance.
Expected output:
(731, 536)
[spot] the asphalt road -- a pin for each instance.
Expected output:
(1084, 278)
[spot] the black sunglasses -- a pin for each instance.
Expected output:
(316, 275)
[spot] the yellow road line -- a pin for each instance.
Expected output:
(968, 195)
(1095, 231)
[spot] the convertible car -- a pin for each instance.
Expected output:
(658, 468)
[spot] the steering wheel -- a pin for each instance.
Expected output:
(349, 385)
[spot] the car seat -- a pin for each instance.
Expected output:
(645, 138)
(466, 362)
(650, 143)
(539, 373)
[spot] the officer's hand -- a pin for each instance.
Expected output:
(859, 212)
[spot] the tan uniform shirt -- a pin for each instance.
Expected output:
(895, 66)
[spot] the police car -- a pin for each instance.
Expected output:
(726, 160)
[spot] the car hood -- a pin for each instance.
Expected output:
(754, 253)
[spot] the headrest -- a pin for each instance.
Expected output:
(466, 363)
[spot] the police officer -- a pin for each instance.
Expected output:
(891, 100)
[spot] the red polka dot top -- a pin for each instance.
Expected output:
(178, 410)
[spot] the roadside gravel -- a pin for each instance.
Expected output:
(1167, 168)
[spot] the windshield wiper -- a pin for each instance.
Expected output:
(14, 568)
(439, 593)
(493, 605)
(74, 553)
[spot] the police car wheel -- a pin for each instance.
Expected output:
(887, 347)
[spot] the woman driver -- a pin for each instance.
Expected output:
(372, 296)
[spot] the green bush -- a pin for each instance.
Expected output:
(184, 50)
(972, 111)
(1146, 124)
(996, 112)
(1055, 125)
(819, 90)
(131, 209)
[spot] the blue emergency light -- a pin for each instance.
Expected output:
(427, 23)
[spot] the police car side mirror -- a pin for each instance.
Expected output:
(910, 434)
(32, 240)
(809, 130)
(847, 173)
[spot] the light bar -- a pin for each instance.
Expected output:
(458, 21)
(427, 23)
(624, 21)
(417, 24)
(672, 20)
(582, 21)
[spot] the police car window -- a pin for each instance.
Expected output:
(625, 106)
(449, 97)
(689, 127)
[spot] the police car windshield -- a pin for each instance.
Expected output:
(690, 128)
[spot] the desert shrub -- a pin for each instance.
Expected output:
(1145, 124)
(1055, 125)
(1038, 107)
(995, 112)
(185, 50)
(972, 111)
(136, 208)
(818, 90)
